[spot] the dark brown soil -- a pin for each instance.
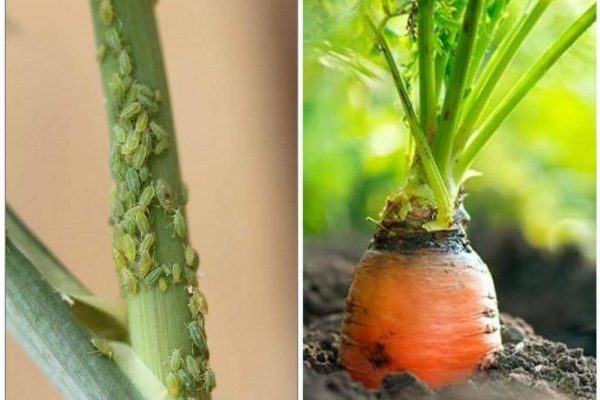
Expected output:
(529, 366)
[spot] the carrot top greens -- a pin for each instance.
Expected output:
(446, 58)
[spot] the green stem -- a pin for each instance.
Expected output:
(44, 325)
(493, 72)
(523, 86)
(434, 178)
(442, 148)
(427, 90)
(157, 316)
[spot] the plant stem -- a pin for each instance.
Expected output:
(427, 90)
(44, 325)
(157, 318)
(442, 147)
(494, 70)
(434, 178)
(523, 86)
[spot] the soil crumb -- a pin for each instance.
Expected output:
(529, 367)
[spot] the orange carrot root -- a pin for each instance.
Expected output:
(429, 312)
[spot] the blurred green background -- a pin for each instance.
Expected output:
(538, 170)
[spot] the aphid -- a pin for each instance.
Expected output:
(176, 271)
(129, 247)
(127, 82)
(106, 12)
(147, 196)
(162, 284)
(161, 146)
(145, 264)
(135, 210)
(103, 347)
(131, 110)
(128, 225)
(148, 103)
(208, 379)
(139, 156)
(147, 143)
(142, 223)
(197, 302)
(192, 367)
(157, 96)
(118, 209)
(128, 281)
(144, 173)
(112, 39)
(132, 93)
(129, 199)
(186, 379)
(125, 66)
(120, 133)
(197, 334)
(165, 196)
(175, 361)
(179, 224)
(190, 256)
(166, 269)
(190, 276)
(142, 122)
(101, 53)
(145, 90)
(172, 383)
(158, 131)
(152, 277)
(119, 258)
(147, 243)
(133, 180)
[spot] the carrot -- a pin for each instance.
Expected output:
(426, 311)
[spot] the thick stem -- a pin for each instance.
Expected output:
(520, 90)
(158, 314)
(434, 178)
(443, 143)
(427, 90)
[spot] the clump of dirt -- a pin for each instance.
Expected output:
(528, 367)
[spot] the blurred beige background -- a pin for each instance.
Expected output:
(232, 71)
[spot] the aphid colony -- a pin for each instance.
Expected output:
(136, 137)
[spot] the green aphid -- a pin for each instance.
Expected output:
(163, 284)
(128, 225)
(121, 191)
(179, 225)
(129, 247)
(103, 347)
(176, 360)
(186, 379)
(119, 258)
(166, 270)
(157, 96)
(147, 242)
(112, 39)
(148, 103)
(142, 223)
(165, 195)
(145, 90)
(118, 209)
(106, 12)
(118, 88)
(197, 302)
(132, 93)
(161, 146)
(152, 277)
(142, 122)
(144, 173)
(147, 143)
(158, 131)
(129, 198)
(173, 385)
(120, 133)
(101, 53)
(208, 379)
(127, 82)
(145, 264)
(190, 256)
(177, 272)
(133, 180)
(125, 66)
(131, 110)
(192, 367)
(147, 195)
(139, 157)
(128, 281)
(197, 334)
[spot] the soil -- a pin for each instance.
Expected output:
(528, 367)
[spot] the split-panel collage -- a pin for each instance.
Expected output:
(300, 199)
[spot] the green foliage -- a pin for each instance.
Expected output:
(539, 171)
